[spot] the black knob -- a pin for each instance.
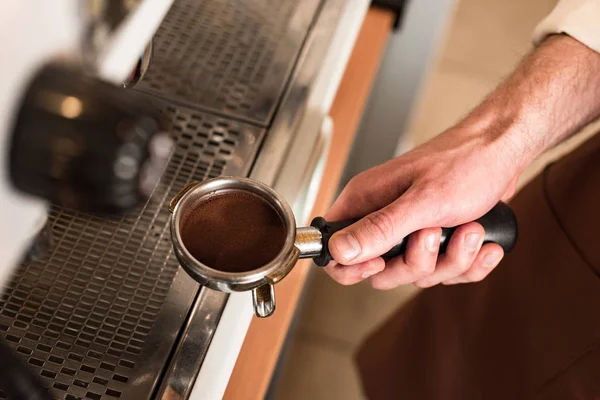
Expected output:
(85, 144)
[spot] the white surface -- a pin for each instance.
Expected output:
(341, 47)
(305, 205)
(225, 347)
(129, 41)
(34, 32)
(576, 18)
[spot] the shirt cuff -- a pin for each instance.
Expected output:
(579, 19)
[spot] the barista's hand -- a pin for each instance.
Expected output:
(461, 174)
(451, 180)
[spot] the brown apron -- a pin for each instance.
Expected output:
(531, 330)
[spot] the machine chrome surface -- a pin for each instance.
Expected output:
(140, 68)
(293, 108)
(99, 316)
(229, 56)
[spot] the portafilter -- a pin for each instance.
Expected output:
(233, 229)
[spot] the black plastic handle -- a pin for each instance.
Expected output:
(500, 225)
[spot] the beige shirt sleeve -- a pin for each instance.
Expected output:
(579, 19)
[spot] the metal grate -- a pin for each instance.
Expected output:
(229, 56)
(82, 316)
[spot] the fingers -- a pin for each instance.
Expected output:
(379, 231)
(417, 262)
(353, 274)
(465, 260)
(488, 258)
(460, 254)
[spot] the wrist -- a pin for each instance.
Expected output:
(552, 94)
(503, 133)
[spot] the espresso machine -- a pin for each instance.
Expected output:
(72, 136)
(109, 109)
(58, 86)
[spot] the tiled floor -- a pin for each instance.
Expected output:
(484, 42)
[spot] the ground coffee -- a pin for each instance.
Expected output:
(233, 232)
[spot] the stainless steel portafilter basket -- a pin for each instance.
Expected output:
(500, 226)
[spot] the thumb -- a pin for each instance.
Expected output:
(376, 233)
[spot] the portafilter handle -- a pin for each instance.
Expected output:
(500, 225)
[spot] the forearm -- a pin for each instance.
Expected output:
(553, 93)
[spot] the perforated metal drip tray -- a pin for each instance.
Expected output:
(98, 317)
(229, 56)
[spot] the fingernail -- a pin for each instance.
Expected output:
(368, 274)
(346, 244)
(491, 260)
(432, 242)
(472, 241)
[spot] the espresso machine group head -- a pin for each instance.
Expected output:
(85, 144)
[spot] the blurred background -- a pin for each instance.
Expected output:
(446, 57)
